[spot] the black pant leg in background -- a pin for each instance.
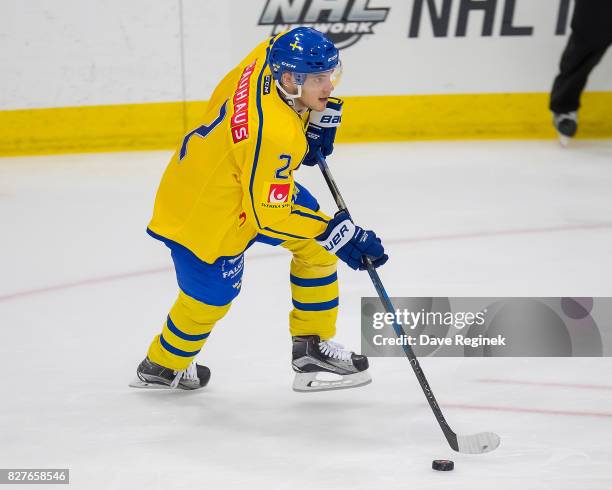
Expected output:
(591, 36)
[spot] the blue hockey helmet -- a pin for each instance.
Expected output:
(302, 51)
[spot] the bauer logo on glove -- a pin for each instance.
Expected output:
(351, 243)
(329, 118)
(342, 233)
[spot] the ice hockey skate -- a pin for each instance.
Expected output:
(326, 365)
(566, 125)
(153, 376)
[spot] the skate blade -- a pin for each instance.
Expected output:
(564, 141)
(139, 383)
(309, 382)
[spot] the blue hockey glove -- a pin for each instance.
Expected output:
(351, 242)
(321, 130)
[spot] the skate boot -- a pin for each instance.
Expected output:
(152, 375)
(566, 125)
(326, 365)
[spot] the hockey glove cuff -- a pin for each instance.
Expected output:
(321, 130)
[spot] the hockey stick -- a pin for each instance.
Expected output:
(482, 442)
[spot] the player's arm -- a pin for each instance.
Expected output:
(268, 197)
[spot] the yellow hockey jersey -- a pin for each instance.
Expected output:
(231, 178)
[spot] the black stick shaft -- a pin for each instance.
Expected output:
(450, 435)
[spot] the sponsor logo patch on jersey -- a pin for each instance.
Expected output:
(276, 196)
(237, 264)
(240, 118)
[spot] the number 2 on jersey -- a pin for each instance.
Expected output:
(280, 172)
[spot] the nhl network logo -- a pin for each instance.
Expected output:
(342, 21)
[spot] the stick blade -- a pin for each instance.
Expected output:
(483, 442)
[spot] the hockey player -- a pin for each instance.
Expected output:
(230, 184)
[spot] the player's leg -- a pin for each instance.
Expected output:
(205, 296)
(591, 36)
(312, 322)
(577, 62)
(314, 289)
(173, 351)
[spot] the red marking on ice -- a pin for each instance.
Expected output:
(84, 282)
(551, 384)
(101, 280)
(432, 238)
(543, 411)
(519, 231)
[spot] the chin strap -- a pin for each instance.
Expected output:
(287, 95)
(290, 98)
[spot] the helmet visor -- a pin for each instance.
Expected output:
(321, 78)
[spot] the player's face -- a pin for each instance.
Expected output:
(316, 89)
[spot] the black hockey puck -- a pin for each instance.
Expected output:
(442, 465)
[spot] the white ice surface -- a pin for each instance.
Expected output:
(83, 289)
